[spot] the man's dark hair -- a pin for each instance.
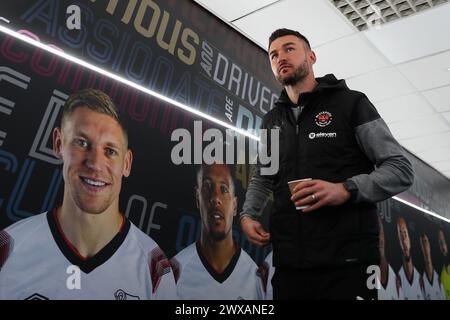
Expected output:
(94, 100)
(287, 32)
(199, 172)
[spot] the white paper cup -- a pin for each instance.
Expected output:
(292, 185)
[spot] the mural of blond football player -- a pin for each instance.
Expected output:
(85, 248)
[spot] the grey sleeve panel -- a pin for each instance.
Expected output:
(257, 195)
(393, 171)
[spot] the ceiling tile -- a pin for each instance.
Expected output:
(442, 165)
(446, 116)
(347, 57)
(318, 20)
(406, 107)
(233, 9)
(413, 37)
(436, 154)
(419, 127)
(429, 72)
(423, 143)
(381, 84)
(446, 173)
(439, 98)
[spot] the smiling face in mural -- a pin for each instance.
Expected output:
(95, 157)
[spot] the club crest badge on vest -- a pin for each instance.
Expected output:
(323, 118)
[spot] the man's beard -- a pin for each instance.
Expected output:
(299, 75)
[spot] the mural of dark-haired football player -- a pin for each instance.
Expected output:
(85, 248)
(432, 287)
(410, 279)
(389, 286)
(215, 267)
(445, 272)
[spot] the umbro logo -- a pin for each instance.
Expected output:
(36, 296)
(122, 295)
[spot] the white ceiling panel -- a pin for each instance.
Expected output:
(446, 173)
(442, 165)
(381, 84)
(430, 72)
(419, 127)
(406, 107)
(233, 9)
(421, 144)
(439, 98)
(347, 57)
(316, 19)
(413, 37)
(446, 116)
(436, 154)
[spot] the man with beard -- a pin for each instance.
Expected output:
(410, 280)
(445, 273)
(215, 267)
(85, 248)
(334, 139)
(432, 287)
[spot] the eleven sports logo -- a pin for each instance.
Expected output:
(323, 119)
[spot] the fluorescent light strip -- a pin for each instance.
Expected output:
(122, 80)
(421, 209)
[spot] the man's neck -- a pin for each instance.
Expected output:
(409, 268)
(306, 85)
(384, 270)
(218, 253)
(88, 233)
(429, 271)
